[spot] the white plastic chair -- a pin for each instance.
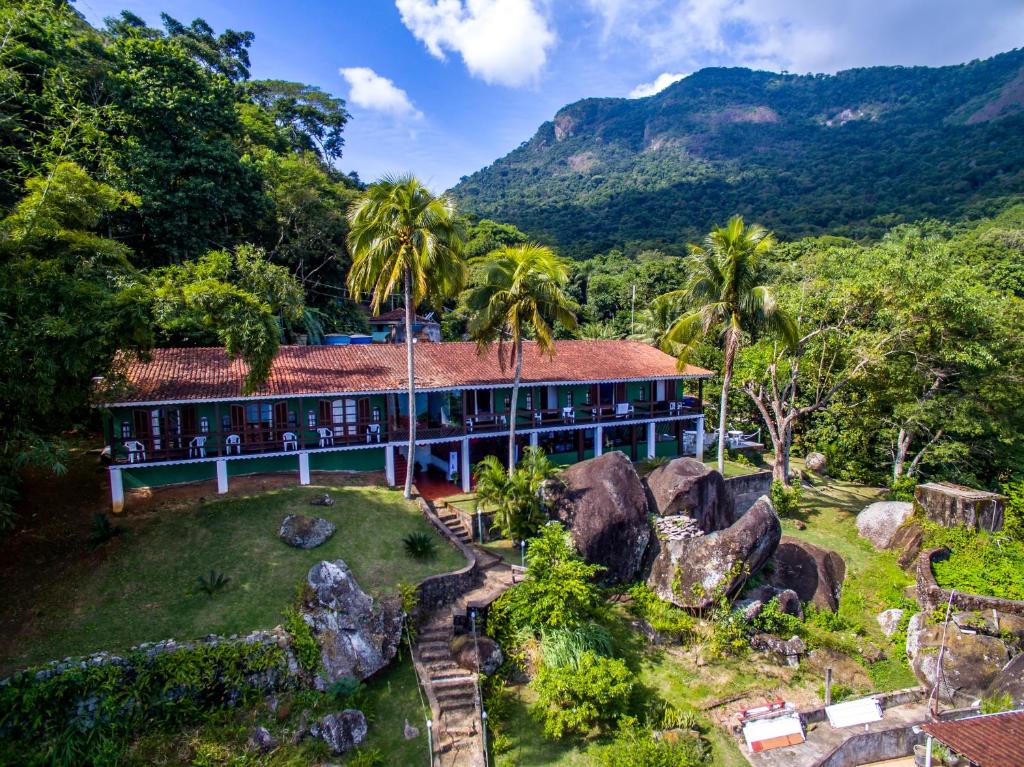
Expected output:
(290, 440)
(469, 424)
(538, 417)
(197, 447)
(136, 451)
(326, 437)
(623, 409)
(373, 430)
(568, 414)
(232, 441)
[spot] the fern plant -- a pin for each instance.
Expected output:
(214, 582)
(420, 546)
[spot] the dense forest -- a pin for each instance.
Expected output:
(152, 193)
(849, 154)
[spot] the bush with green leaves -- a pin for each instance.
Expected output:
(304, 644)
(786, 500)
(668, 620)
(997, 703)
(421, 546)
(979, 563)
(514, 498)
(840, 692)
(1013, 515)
(638, 747)
(902, 489)
(573, 700)
(214, 582)
(772, 620)
(564, 646)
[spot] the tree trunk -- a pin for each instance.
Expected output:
(514, 408)
(903, 440)
(411, 370)
(730, 353)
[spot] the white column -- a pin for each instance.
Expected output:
(700, 439)
(303, 468)
(222, 476)
(466, 483)
(651, 444)
(534, 438)
(389, 465)
(116, 491)
(598, 441)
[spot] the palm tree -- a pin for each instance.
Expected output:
(724, 294)
(400, 234)
(654, 322)
(520, 291)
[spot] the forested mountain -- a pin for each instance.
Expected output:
(848, 154)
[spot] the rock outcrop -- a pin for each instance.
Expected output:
(341, 732)
(971, 662)
(879, 522)
(755, 599)
(602, 503)
(304, 532)
(889, 620)
(692, 572)
(788, 650)
(1010, 681)
(814, 573)
(952, 505)
(357, 637)
(816, 462)
(685, 486)
(482, 654)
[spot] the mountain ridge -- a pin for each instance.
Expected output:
(850, 153)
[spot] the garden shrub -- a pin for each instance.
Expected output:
(574, 700)
(564, 646)
(996, 704)
(1013, 516)
(664, 617)
(902, 489)
(637, 747)
(840, 692)
(786, 500)
(420, 546)
(772, 620)
(83, 713)
(729, 632)
(304, 644)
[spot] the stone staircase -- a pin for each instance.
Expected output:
(455, 524)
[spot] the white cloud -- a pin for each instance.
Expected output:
(500, 41)
(660, 83)
(370, 90)
(824, 36)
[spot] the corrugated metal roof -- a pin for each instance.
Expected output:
(992, 740)
(208, 374)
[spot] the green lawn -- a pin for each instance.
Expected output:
(145, 588)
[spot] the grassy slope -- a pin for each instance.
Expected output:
(146, 587)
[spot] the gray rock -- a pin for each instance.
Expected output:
(814, 573)
(970, 664)
(952, 505)
(690, 573)
(755, 599)
(604, 507)
(322, 500)
(879, 522)
(357, 636)
(341, 732)
(685, 486)
(889, 620)
(410, 732)
(464, 651)
(261, 740)
(1010, 681)
(816, 462)
(789, 650)
(304, 532)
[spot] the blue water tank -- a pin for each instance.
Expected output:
(337, 339)
(359, 338)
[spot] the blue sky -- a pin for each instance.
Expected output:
(444, 87)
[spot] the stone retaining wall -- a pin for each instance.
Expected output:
(931, 595)
(870, 747)
(742, 491)
(436, 591)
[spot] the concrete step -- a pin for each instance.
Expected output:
(431, 655)
(435, 634)
(454, 681)
(459, 705)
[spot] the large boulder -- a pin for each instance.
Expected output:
(685, 486)
(692, 572)
(481, 653)
(304, 532)
(603, 505)
(950, 505)
(889, 620)
(816, 462)
(357, 636)
(814, 573)
(341, 732)
(1010, 681)
(970, 664)
(880, 521)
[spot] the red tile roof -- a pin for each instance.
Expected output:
(208, 374)
(993, 740)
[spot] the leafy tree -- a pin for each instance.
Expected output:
(725, 295)
(519, 292)
(485, 236)
(237, 296)
(574, 700)
(514, 495)
(311, 119)
(402, 235)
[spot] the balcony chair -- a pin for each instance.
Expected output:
(290, 440)
(197, 447)
(373, 431)
(326, 436)
(569, 414)
(623, 410)
(136, 451)
(232, 441)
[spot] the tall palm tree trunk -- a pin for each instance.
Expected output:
(731, 343)
(411, 370)
(514, 408)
